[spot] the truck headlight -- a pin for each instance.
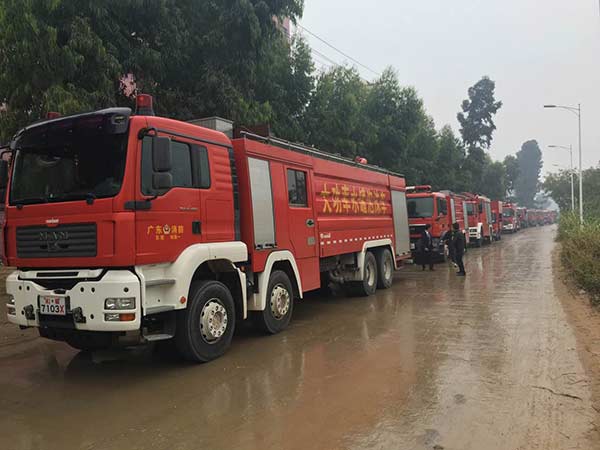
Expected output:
(117, 303)
(11, 300)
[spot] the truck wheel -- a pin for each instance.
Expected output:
(89, 342)
(280, 304)
(368, 285)
(385, 269)
(205, 328)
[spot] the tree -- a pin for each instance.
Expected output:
(450, 158)
(477, 127)
(530, 166)
(477, 116)
(511, 166)
(197, 58)
(334, 117)
(494, 180)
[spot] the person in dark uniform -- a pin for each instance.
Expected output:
(426, 248)
(458, 246)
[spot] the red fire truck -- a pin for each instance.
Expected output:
(511, 219)
(479, 211)
(129, 228)
(439, 210)
(497, 219)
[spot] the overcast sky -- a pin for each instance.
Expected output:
(537, 51)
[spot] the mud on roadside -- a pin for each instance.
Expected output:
(585, 321)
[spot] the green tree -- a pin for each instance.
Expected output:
(494, 180)
(511, 165)
(334, 117)
(451, 155)
(197, 58)
(477, 127)
(530, 166)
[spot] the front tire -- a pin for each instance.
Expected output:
(385, 269)
(280, 304)
(205, 328)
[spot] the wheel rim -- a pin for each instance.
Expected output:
(213, 320)
(387, 268)
(370, 275)
(280, 301)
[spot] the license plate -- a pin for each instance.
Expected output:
(53, 305)
(412, 246)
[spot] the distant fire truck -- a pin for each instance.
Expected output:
(511, 220)
(129, 228)
(439, 210)
(480, 219)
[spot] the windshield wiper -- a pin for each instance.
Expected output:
(29, 201)
(89, 197)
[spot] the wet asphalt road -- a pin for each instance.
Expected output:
(436, 362)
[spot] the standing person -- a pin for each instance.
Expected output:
(426, 248)
(458, 245)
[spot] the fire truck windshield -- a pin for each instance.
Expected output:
(471, 209)
(508, 213)
(62, 163)
(420, 207)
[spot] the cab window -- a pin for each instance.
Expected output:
(297, 195)
(442, 206)
(190, 167)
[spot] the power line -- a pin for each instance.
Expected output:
(338, 50)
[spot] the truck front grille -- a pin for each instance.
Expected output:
(69, 240)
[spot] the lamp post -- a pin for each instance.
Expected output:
(577, 112)
(570, 148)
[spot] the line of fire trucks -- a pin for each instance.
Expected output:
(129, 228)
(481, 219)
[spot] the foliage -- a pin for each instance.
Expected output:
(530, 163)
(511, 166)
(198, 58)
(477, 129)
(580, 252)
(558, 185)
(205, 58)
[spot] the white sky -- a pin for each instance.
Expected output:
(537, 51)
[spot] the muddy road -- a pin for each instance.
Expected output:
(437, 362)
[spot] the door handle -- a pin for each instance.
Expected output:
(310, 223)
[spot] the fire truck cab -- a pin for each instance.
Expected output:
(426, 207)
(511, 219)
(480, 219)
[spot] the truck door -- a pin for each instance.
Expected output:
(302, 224)
(170, 220)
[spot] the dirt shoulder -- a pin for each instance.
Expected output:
(585, 320)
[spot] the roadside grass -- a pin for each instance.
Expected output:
(580, 253)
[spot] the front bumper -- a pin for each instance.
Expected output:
(474, 233)
(86, 295)
(508, 227)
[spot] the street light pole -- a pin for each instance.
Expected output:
(577, 112)
(571, 172)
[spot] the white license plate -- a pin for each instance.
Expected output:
(412, 246)
(53, 305)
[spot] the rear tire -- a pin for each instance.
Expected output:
(280, 304)
(385, 269)
(205, 328)
(368, 285)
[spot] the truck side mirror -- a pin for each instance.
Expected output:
(162, 181)
(161, 154)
